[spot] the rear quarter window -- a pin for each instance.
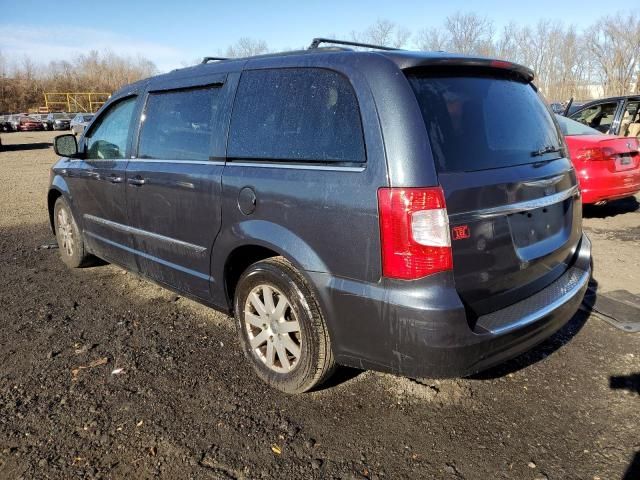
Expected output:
(296, 114)
(479, 122)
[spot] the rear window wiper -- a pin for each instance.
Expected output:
(545, 150)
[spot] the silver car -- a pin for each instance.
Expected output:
(80, 122)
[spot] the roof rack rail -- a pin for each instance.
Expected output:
(317, 41)
(213, 59)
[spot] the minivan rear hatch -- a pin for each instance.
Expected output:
(511, 193)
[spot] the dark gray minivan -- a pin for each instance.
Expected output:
(407, 212)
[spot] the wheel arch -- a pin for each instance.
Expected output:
(238, 261)
(52, 197)
(59, 188)
(261, 240)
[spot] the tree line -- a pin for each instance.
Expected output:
(600, 60)
(23, 82)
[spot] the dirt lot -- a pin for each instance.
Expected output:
(186, 405)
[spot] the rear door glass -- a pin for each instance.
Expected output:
(598, 116)
(177, 125)
(479, 122)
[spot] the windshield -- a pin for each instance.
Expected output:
(571, 127)
(478, 122)
(87, 118)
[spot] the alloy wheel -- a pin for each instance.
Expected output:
(273, 329)
(65, 231)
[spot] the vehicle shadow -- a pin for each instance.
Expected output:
(342, 375)
(26, 146)
(558, 340)
(633, 471)
(611, 209)
(625, 382)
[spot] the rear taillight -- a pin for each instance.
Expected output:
(414, 231)
(595, 154)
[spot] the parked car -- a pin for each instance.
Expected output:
(14, 122)
(59, 120)
(348, 207)
(27, 124)
(80, 122)
(607, 166)
(42, 118)
(615, 115)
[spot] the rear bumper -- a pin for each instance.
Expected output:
(612, 187)
(420, 329)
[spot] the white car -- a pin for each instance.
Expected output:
(80, 122)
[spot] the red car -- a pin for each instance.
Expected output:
(607, 166)
(26, 124)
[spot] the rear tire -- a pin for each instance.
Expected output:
(68, 236)
(281, 328)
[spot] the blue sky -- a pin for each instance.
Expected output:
(175, 33)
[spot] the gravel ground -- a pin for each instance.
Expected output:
(104, 375)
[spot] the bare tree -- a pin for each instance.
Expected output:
(507, 46)
(383, 32)
(24, 83)
(614, 42)
(469, 33)
(247, 47)
(432, 39)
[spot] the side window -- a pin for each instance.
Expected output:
(599, 116)
(178, 125)
(297, 114)
(108, 137)
(630, 117)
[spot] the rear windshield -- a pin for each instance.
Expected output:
(479, 122)
(571, 127)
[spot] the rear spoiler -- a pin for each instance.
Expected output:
(444, 60)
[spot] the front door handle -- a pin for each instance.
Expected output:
(115, 178)
(137, 181)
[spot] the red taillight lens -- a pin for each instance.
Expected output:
(595, 154)
(414, 231)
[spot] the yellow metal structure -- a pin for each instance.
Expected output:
(74, 101)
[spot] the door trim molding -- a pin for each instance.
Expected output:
(198, 249)
(166, 263)
(187, 162)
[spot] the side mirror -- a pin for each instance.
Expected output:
(65, 145)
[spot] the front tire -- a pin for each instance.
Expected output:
(68, 236)
(281, 328)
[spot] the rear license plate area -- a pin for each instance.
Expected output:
(624, 162)
(534, 226)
